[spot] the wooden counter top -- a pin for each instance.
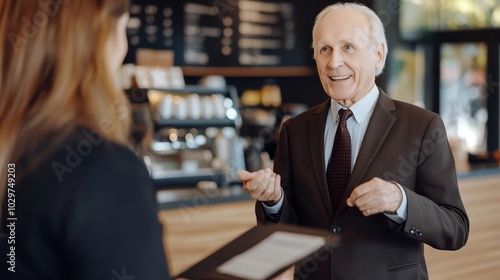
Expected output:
(194, 231)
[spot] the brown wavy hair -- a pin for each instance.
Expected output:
(54, 76)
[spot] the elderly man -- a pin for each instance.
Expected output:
(377, 171)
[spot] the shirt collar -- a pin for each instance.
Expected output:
(362, 109)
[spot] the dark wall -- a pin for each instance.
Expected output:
(296, 89)
(307, 89)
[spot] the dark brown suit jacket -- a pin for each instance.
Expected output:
(403, 143)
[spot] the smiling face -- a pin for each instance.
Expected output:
(346, 57)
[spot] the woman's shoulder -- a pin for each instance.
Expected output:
(86, 170)
(85, 157)
(90, 199)
(87, 153)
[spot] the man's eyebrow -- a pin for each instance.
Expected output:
(320, 44)
(341, 41)
(348, 41)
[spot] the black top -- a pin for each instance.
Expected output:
(87, 212)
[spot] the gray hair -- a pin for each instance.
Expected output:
(376, 26)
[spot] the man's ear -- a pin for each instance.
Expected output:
(380, 56)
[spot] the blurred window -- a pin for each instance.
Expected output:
(463, 94)
(422, 16)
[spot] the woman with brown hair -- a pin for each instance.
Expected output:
(76, 201)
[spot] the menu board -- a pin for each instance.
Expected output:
(232, 33)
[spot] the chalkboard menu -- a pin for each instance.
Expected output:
(222, 33)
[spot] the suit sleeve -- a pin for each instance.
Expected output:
(436, 214)
(282, 167)
(113, 231)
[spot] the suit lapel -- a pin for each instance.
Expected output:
(380, 124)
(316, 134)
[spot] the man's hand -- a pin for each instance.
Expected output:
(376, 196)
(263, 185)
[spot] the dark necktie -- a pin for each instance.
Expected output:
(339, 166)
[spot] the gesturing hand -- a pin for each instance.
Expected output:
(376, 196)
(263, 185)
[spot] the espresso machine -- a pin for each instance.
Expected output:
(194, 137)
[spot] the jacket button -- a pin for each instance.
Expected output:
(335, 229)
(415, 231)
